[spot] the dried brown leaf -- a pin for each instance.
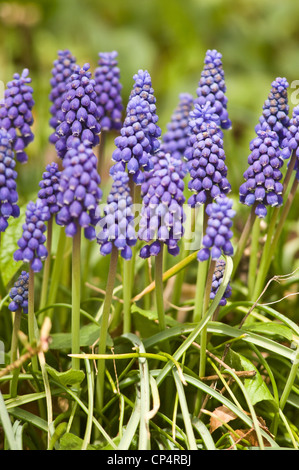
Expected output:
(250, 436)
(221, 415)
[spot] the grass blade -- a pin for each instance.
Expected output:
(7, 426)
(185, 411)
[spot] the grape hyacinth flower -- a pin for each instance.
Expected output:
(217, 280)
(216, 240)
(212, 87)
(262, 178)
(143, 87)
(176, 138)
(79, 192)
(62, 70)
(108, 89)
(162, 214)
(16, 113)
(137, 142)
(31, 244)
(117, 224)
(205, 156)
(8, 175)
(19, 293)
(276, 110)
(50, 186)
(79, 116)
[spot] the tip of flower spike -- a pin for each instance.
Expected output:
(204, 114)
(142, 77)
(107, 56)
(212, 55)
(25, 73)
(86, 67)
(280, 83)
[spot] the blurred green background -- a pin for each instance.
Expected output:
(258, 41)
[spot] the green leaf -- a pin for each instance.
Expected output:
(146, 321)
(271, 329)
(9, 239)
(89, 334)
(152, 315)
(255, 386)
(71, 442)
(69, 377)
(7, 426)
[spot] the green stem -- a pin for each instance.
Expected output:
(159, 291)
(87, 266)
(47, 265)
(129, 265)
(89, 423)
(159, 288)
(127, 294)
(203, 335)
(76, 296)
(147, 298)
(42, 362)
(179, 279)
(265, 261)
(243, 239)
(272, 236)
(2, 286)
(288, 387)
(202, 271)
(14, 352)
(201, 278)
(104, 326)
(272, 240)
(31, 317)
(253, 257)
(291, 379)
(284, 214)
(57, 268)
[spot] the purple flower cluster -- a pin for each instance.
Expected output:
(16, 113)
(19, 293)
(217, 280)
(63, 68)
(176, 138)
(216, 240)
(162, 214)
(50, 186)
(143, 87)
(79, 116)
(205, 156)
(137, 141)
(108, 89)
(117, 224)
(262, 178)
(31, 244)
(79, 193)
(212, 88)
(276, 110)
(8, 175)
